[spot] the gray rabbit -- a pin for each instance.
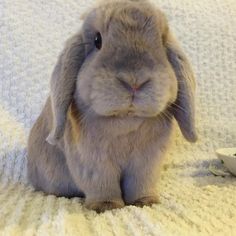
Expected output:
(115, 90)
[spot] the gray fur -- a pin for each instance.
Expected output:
(183, 109)
(63, 82)
(108, 142)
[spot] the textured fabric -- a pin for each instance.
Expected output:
(193, 201)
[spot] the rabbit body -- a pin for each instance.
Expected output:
(114, 160)
(115, 90)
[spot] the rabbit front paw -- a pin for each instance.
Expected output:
(102, 206)
(146, 201)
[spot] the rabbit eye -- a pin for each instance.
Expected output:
(98, 41)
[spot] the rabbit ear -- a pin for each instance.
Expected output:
(184, 106)
(63, 84)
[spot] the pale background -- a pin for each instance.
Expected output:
(193, 201)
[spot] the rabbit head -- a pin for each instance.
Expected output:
(124, 62)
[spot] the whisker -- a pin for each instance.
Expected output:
(148, 20)
(178, 106)
(166, 115)
(162, 116)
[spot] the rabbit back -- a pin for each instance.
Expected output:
(47, 168)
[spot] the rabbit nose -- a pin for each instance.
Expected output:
(132, 87)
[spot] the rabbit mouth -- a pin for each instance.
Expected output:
(138, 114)
(133, 112)
(128, 107)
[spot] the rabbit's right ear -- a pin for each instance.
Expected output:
(63, 82)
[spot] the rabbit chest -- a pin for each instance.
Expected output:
(115, 140)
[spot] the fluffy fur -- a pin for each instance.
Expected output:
(108, 119)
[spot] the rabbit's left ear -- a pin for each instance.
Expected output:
(184, 106)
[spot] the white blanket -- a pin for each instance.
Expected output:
(193, 201)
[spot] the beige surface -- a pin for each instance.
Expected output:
(193, 202)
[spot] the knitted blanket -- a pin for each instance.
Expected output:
(193, 201)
